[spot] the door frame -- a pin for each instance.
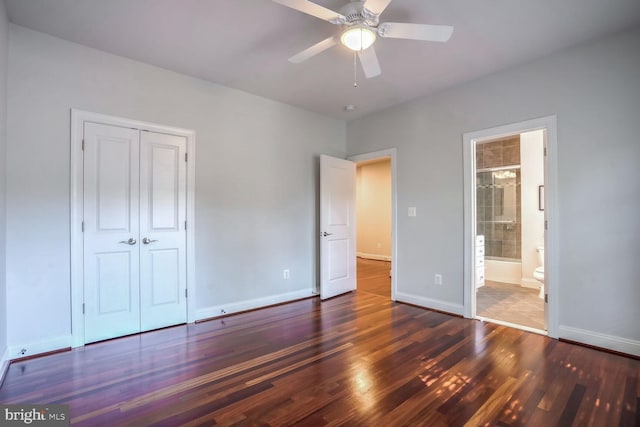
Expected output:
(551, 216)
(78, 118)
(387, 153)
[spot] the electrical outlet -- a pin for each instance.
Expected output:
(285, 274)
(437, 279)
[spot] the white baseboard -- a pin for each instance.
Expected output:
(374, 256)
(529, 283)
(33, 348)
(611, 342)
(236, 307)
(430, 303)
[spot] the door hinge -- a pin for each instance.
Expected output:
(82, 308)
(185, 225)
(83, 145)
(186, 156)
(546, 298)
(83, 226)
(546, 224)
(545, 151)
(186, 294)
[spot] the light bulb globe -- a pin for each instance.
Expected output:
(358, 38)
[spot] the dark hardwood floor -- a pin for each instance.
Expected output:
(357, 359)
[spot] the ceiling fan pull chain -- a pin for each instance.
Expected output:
(355, 71)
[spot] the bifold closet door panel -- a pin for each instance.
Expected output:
(162, 230)
(111, 231)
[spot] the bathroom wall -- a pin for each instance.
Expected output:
(373, 210)
(532, 176)
(502, 240)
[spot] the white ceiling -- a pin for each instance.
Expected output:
(244, 44)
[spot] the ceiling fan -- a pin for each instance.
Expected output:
(360, 21)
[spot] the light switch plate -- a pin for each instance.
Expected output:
(412, 211)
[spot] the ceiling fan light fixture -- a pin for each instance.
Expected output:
(358, 37)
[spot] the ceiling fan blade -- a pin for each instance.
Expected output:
(432, 33)
(312, 9)
(314, 50)
(377, 6)
(369, 62)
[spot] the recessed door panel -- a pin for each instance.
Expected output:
(164, 277)
(164, 194)
(114, 282)
(338, 261)
(339, 211)
(113, 167)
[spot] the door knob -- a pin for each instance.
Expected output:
(146, 241)
(325, 234)
(131, 241)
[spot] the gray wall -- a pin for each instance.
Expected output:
(594, 90)
(4, 47)
(256, 178)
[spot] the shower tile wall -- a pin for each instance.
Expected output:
(501, 240)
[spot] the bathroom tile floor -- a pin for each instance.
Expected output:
(510, 303)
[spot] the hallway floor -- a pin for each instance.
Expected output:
(510, 303)
(373, 277)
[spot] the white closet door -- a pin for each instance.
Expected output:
(162, 230)
(111, 230)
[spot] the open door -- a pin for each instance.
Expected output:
(337, 226)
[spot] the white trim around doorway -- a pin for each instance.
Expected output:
(391, 154)
(78, 118)
(547, 123)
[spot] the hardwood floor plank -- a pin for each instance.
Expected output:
(628, 403)
(571, 408)
(358, 359)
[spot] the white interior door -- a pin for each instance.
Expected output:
(163, 281)
(111, 230)
(134, 251)
(337, 226)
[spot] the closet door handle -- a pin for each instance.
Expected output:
(325, 234)
(146, 241)
(131, 241)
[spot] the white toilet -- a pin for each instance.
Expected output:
(538, 274)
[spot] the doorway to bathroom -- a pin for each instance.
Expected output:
(506, 196)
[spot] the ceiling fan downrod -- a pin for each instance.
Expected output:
(355, 71)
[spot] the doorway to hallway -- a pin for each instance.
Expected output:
(375, 222)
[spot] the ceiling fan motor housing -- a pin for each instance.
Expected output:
(355, 13)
